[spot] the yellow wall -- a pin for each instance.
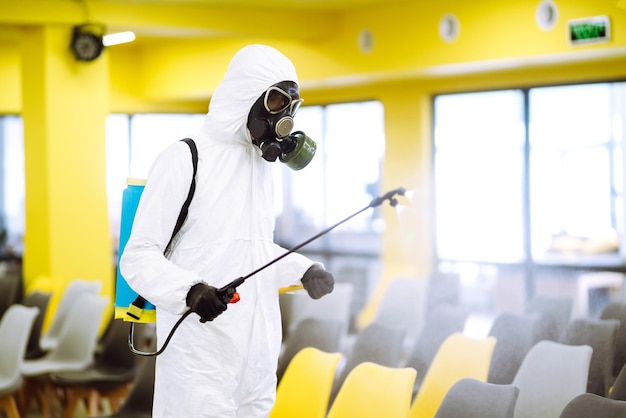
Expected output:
(10, 81)
(499, 46)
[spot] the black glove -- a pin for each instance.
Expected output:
(317, 281)
(204, 300)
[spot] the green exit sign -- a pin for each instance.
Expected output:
(588, 30)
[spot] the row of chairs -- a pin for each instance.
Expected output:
(545, 318)
(606, 334)
(458, 357)
(426, 312)
(551, 382)
(68, 363)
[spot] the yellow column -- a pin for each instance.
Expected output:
(65, 103)
(407, 246)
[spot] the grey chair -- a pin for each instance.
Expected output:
(403, 305)
(555, 315)
(589, 405)
(109, 376)
(443, 289)
(334, 306)
(73, 292)
(617, 310)
(322, 334)
(439, 324)
(376, 343)
(551, 375)
(15, 326)
(471, 398)
(75, 351)
(515, 336)
(600, 335)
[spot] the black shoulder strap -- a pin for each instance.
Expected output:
(192, 189)
(135, 308)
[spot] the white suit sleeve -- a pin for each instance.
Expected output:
(143, 264)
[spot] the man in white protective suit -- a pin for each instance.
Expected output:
(225, 365)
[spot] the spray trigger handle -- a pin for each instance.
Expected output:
(229, 293)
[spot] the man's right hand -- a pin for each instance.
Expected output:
(204, 300)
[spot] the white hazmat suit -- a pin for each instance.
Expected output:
(227, 367)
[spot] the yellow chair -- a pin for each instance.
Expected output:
(374, 391)
(304, 390)
(458, 357)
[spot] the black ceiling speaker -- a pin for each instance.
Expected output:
(87, 42)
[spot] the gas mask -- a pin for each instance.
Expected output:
(270, 122)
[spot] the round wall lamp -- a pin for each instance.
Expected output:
(366, 41)
(87, 41)
(546, 15)
(449, 27)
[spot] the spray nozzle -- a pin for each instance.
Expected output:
(390, 196)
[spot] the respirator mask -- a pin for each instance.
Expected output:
(270, 122)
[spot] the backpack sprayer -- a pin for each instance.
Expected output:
(229, 294)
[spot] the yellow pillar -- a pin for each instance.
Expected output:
(407, 245)
(65, 103)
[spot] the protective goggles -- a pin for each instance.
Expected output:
(277, 100)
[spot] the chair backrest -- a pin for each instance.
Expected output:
(515, 335)
(374, 391)
(458, 357)
(472, 398)
(375, 343)
(72, 293)
(305, 388)
(555, 315)
(39, 300)
(403, 304)
(617, 310)
(440, 323)
(551, 375)
(77, 339)
(15, 327)
(600, 335)
(443, 289)
(334, 306)
(323, 334)
(79, 335)
(590, 405)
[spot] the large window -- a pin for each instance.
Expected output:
(342, 178)
(11, 184)
(575, 166)
(479, 162)
(529, 195)
(531, 178)
(133, 142)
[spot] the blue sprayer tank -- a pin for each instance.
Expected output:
(124, 295)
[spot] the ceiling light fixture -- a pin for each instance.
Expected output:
(118, 38)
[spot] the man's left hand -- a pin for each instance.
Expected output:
(317, 281)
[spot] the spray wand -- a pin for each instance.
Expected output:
(229, 293)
